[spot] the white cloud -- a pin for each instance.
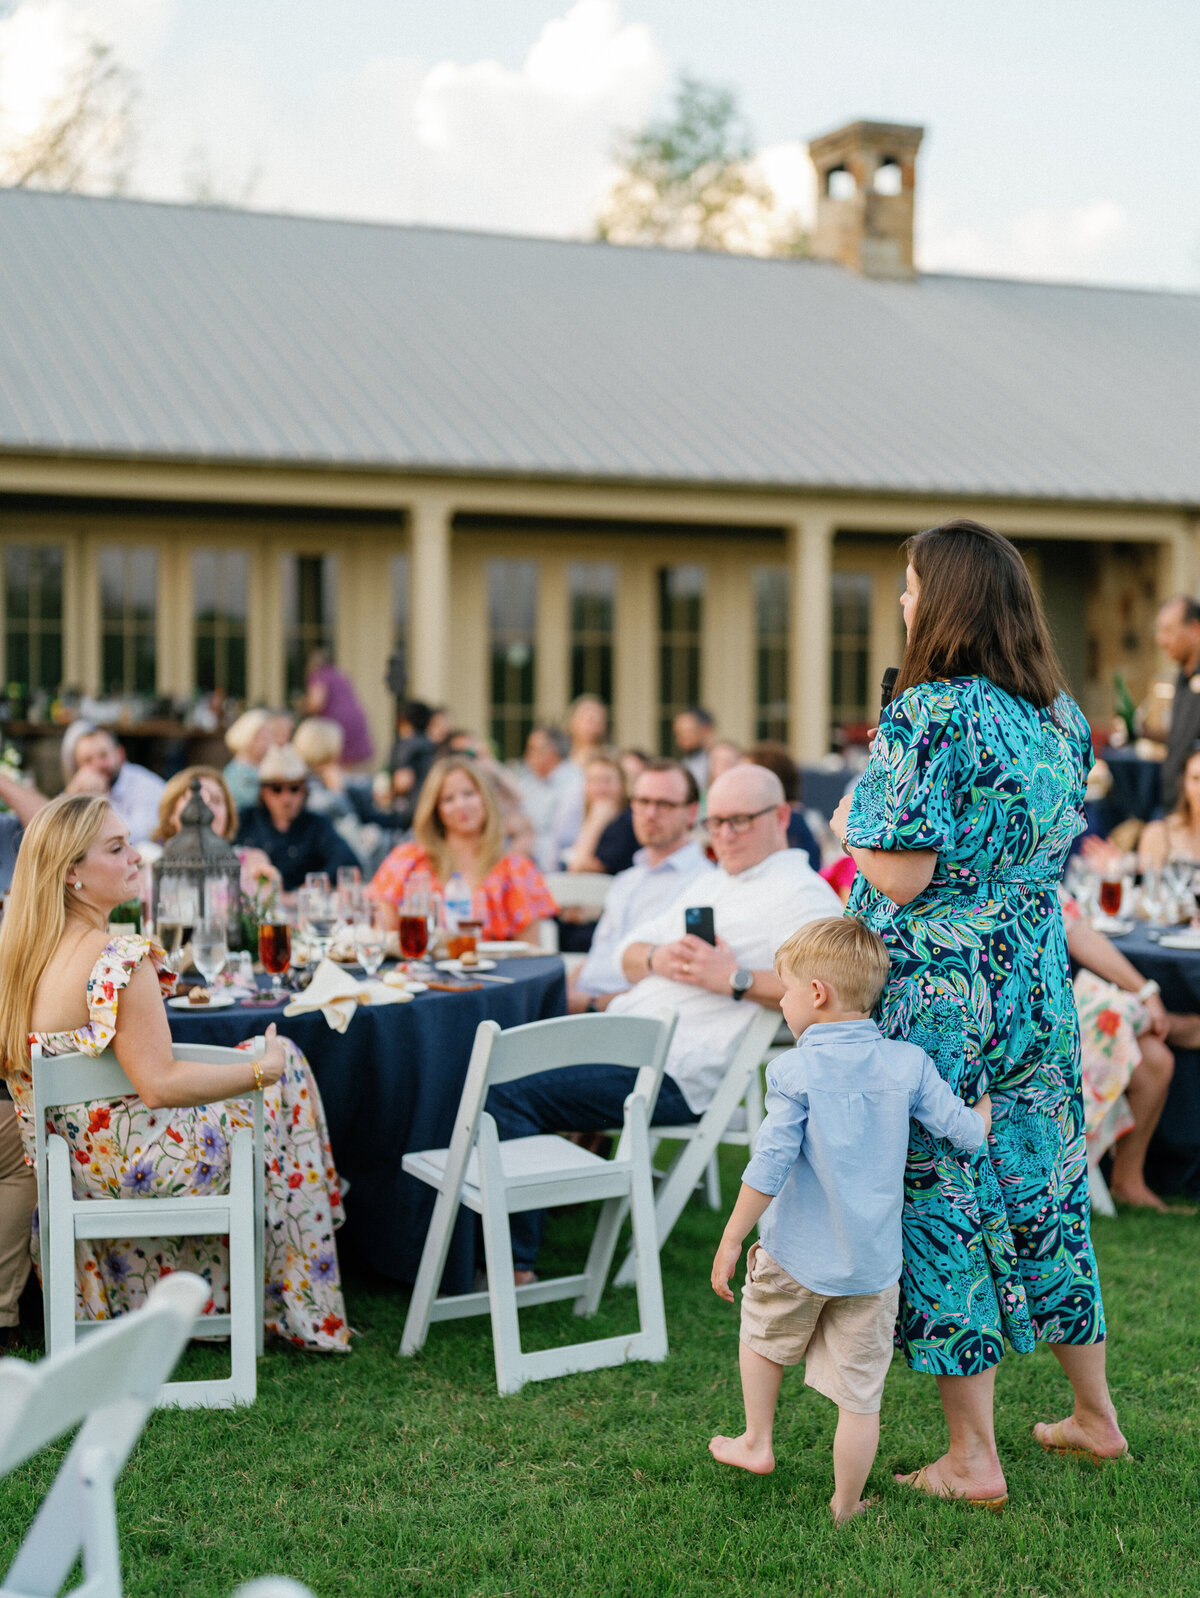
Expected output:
(1072, 243)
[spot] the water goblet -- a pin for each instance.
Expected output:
(209, 949)
(369, 944)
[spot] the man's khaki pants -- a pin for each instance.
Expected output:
(18, 1198)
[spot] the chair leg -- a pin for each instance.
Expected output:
(652, 1316)
(58, 1260)
(101, 1549)
(429, 1272)
(497, 1243)
(712, 1183)
(600, 1255)
(244, 1288)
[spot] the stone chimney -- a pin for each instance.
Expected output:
(866, 174)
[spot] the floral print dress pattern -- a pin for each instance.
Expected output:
(997, 1244)
(122, 1149)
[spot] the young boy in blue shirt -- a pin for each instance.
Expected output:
(826, 1186)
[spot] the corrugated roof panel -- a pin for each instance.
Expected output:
(201, 334)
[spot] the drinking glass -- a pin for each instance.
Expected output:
(176, 919)
(275, 948)
(209, 949)
(318, 917)
(1112, 891)
(369, 944)
(317, 879)
(414, 923)
(464, 939)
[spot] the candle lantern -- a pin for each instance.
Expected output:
(198, 875)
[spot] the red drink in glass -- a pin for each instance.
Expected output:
(275, 946)
(414, 937)
(1110, 897)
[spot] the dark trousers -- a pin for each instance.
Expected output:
(577, 1098)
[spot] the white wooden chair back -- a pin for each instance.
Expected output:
(701, 1138)
(497, 1179)
(573, 890)
(81, 1078)
(110, 1383)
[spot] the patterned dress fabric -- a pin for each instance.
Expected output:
(997, 1244)
(510, 897)
(122, 1149)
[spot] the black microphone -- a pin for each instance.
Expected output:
(888, 686)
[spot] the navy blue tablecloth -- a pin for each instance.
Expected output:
(391, 1084)
(1173, 1161)
(1136, 788)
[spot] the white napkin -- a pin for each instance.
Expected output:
(337, 995)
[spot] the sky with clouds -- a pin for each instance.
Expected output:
(1063, 140)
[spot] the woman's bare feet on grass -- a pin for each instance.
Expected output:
(736, 1451)
(1101, 1439)
(842, 1517)
(942, 1482)
(1138, 1196)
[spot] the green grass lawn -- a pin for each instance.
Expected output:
(376, 1475)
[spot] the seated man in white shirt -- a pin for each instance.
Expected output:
(759, 894)
(102, 767)
(546, 775)
(665, 803)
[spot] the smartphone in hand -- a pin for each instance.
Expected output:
(698, 921)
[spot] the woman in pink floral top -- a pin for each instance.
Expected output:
(66, 986)
(457, 828)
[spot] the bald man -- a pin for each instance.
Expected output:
(760, 893)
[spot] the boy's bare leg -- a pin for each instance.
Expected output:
(854, 1445)
(760, 1391)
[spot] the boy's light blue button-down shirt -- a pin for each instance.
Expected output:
(832, 1150)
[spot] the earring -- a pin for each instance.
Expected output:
(77, 886)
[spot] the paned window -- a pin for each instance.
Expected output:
(771, 653)
(33, 616)
(591, 591)
(512, 618)
(309, 609)
(680, 621)
(128, 602)
(851, 649)
(220, 585)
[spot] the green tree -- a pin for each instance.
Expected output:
(689, 182)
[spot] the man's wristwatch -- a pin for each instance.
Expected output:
(741, 981)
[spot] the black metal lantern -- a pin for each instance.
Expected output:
(198, 875)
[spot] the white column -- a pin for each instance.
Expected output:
(810, 559)
(429, 647)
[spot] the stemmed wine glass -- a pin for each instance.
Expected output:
(369, 943)
(210, 949)
(319, 918)
(275, 948)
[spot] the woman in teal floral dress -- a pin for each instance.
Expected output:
(960, 829)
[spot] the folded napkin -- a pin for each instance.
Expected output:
(337, 995)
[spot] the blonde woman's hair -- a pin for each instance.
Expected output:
(35, 914)
(179, 785)
(841, 951)
(241, 735)
(318, 740)
(427, 824)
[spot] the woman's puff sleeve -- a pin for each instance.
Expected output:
(906, 797)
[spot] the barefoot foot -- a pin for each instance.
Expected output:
(1097, 1439)
(988, 1487)
(736, 1451)
(1138, 1196)
(842, 1516)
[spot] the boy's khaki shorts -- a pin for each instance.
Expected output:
(845, 1343)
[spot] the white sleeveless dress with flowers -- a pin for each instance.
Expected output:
(122, 1149)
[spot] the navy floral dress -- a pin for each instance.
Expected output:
(996, 1244)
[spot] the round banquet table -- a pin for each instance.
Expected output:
(1136, 788)
(1173, 1161)
(391, 1084)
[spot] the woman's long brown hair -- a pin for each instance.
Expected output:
(978, 615)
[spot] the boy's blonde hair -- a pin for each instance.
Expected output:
(840, 951)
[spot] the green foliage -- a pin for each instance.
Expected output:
(368, 1476)
(689, 182)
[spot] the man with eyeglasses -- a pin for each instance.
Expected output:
(760, 893)
(665, 804)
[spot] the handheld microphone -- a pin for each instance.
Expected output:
(888, 686)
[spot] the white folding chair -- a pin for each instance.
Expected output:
(573, 890)
(239, 1213)
(700, 1138)
(1098, 1144)
(110, 1383)
(531, 1173)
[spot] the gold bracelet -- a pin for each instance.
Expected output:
(258, 1074)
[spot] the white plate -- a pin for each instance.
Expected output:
(512, 946)
(409, 987)
(218, 1001)
(1180, 940)
(461, 970)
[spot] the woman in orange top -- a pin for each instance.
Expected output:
(457, 827)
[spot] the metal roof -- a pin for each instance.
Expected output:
(188, 333)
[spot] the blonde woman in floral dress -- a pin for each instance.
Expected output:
(67, 985)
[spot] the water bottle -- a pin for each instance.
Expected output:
(457, 900)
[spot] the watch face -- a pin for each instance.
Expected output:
(740, 981)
